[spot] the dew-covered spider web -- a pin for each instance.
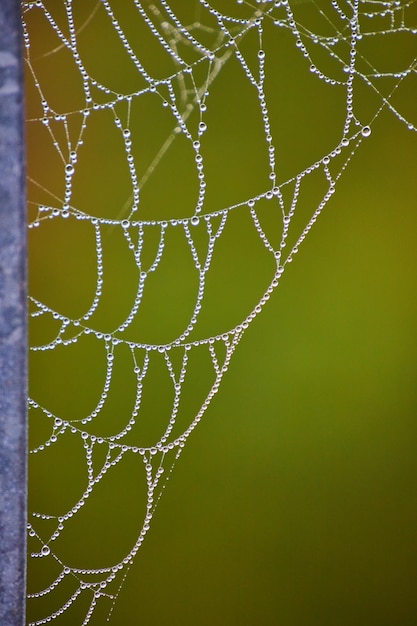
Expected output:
(171, 180)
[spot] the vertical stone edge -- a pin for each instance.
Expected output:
(13, 321)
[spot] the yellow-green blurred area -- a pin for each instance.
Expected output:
(294, 501)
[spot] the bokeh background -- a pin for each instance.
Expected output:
(294, 501)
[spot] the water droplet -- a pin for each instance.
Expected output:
(202, 127)
(45, 551)
(195, 220)
(366, 131)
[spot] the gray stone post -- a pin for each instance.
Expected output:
(13, 338)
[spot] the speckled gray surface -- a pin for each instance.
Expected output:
(12, 322)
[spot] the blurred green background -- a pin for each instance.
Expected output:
(293, 503)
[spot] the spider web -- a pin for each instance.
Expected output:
(137, 306)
